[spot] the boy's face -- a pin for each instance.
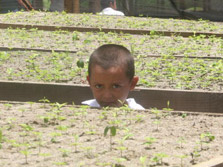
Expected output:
(110, 86)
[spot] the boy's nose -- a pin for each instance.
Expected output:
(107, 95)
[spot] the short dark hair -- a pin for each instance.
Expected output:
(111, 55)
(106, 3)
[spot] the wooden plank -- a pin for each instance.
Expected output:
(89, 29)
(2, 48)
(215, 162)
(181, 100)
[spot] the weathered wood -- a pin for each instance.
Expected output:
(181, 100)
(76, 6)
(68, 6)
(2, 48)
(215, 162)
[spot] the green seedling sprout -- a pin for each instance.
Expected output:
(121, 147)
(194, 155)
(44, 101)
(25, 152)
(149, 141)
(89, 151)
(8, 106)
(1, 138)
(39, 136)
(31, 105)
(11, 121)
(54, 135)
(206, 138)
(143, 161)
(44, 155)
(119, 161)
(182, 157)
(168, 107)
(65, 153)
(112, 130)
(181, 140)
(75, 143)
(158, 113)
(22, 110)
(156, 122)
(158, 158)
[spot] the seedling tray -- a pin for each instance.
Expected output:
(196, 101)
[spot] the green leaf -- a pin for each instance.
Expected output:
(80, 63)
(106, 131)
(113, 131)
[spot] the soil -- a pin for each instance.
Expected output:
(51, 143)
(89, 20)
(163, 72)
(138, 44)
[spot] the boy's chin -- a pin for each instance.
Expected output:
(105, 104)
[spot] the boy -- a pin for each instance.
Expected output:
(111, 73)
(109, 8)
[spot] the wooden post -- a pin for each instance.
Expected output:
(76, 6)
(68, 5)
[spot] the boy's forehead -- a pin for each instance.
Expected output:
(110, 68)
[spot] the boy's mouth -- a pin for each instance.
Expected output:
(108, 104)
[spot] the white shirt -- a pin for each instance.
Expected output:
(110, 11)
(131, 103)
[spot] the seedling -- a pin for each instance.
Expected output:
(182, 157)
(149, 141)
(194, 155)
(25, 153)
(8, 106)
(156, 122)
(143, 161)
(44, 101)
(54, 135)
(76, 143)
(158, 158)
(181, 140)
(205, 138)
(1, 138)
(44, 155)
(158, 113)
(112, 130)
(65, 153)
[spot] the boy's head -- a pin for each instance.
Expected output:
(108, 3)
(111, 73)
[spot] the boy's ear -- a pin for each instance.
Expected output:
(134, 82)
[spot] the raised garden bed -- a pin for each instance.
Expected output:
(181, 100)
(86, 42)
(97, 21)
(164, 72)
(58, 135)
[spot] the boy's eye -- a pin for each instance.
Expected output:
(116, 86)
(98, 86)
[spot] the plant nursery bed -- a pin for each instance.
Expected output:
(115, 30)
(54, 134)
(55, 19)
(181, 100)
(166, 72)
(86, 42)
